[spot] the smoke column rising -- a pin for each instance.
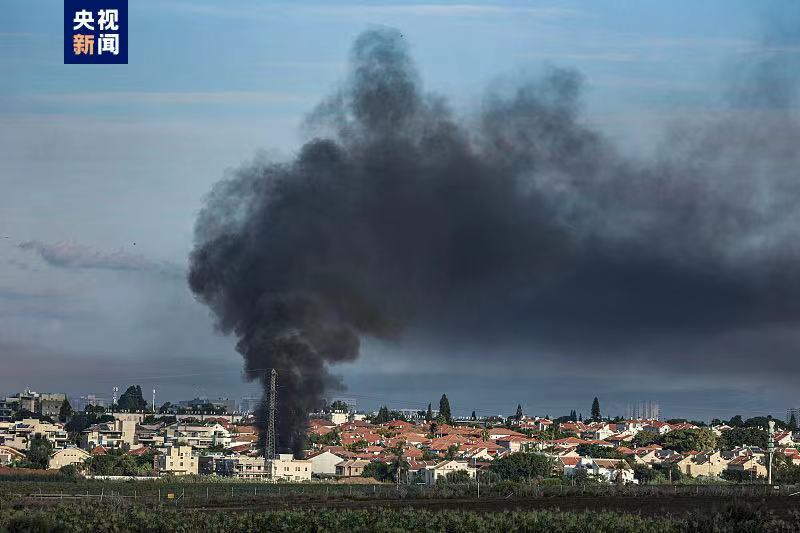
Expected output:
(522, 226)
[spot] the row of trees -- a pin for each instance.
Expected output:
(684, 440)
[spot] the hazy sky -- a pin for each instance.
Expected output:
(103, 170)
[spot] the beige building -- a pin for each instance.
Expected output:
(67, 456)
(176, 460)
(110, 434)
(10, 455)
(287, 468)
(440, 470)
(351, 467)
(754, 464)
(198, 436)
(18, 434)
(247, 467)
(710, 464)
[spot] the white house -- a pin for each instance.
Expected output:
(609, 469)
(324, 462)
(434, 472)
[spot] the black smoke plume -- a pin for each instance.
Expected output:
(518, 225)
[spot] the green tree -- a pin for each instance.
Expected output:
(519, 414)
(132, 399)
(644, 438)
(596, 409)
(456, 476)
(429, 414)
(763, 422)
(339, 405)
(520, 466)
(670, 471)
(65, 412)
(383, 416)
(451, 452)
(596, 451)
(793, 421)
(683, 440)
(736, 421)
(39, 450)
(742, 436)
(444, 409)
(786, 472)
(358, 446)
(377, 470)
(644, 474)
(69, 472)
(473, 417)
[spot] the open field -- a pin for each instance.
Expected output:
(382, 516)
(654, 501)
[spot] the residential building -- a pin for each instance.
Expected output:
(176, 460)
(351, 467)
(18, 434)
(114, 434)
(46, 403)
(610, 470)
(324, 462)
(67, 456)
(9, 455)
(26, 400)
(754, 464)
(710, 464)
(287, 468)
(5, 411)
(197, 436)
(247, 467)
(50, 404)
(441, 469)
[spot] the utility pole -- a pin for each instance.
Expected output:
(770, 450)
(114, 401)
(269, 449)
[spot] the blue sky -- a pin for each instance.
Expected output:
(96, 158)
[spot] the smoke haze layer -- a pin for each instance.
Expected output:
(522, 227)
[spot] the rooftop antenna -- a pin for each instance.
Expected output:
(269, 450)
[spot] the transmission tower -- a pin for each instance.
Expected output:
(269, 450)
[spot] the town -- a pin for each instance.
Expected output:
(129, 439)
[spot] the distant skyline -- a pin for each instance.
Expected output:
(103, 170)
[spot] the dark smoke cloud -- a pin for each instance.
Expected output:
(523, 227)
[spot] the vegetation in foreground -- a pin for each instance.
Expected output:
(101, 518)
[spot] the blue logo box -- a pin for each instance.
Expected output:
(95, 32)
